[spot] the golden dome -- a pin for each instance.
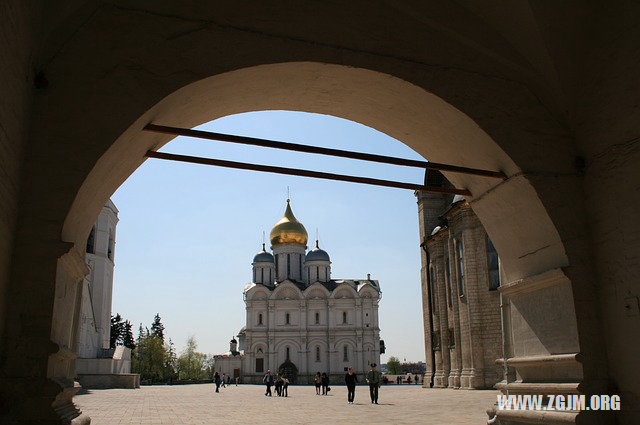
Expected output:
(288, 230)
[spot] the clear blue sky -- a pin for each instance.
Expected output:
(187, 233)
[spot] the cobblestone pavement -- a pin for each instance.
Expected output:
(199, 404)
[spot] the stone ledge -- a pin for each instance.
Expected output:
(538, 387)
(536, 417)
(541, 360)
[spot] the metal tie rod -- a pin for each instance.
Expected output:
(303, 173)
(221, 137)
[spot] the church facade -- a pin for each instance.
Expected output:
(300, 321)
(460, 295)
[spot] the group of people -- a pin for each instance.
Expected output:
(280, 384)
(223, 380)
(321, 381)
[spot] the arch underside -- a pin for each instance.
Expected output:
(511, 211)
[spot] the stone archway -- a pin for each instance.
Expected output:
(531, 247)
(470, 98)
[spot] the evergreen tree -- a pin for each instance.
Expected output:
(157, 328)
(117, 330)
(127, 338)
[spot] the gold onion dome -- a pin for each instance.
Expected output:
(288, 230)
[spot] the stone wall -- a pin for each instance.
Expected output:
(17, 39)
(467, 327)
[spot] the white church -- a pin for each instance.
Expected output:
(299, 320)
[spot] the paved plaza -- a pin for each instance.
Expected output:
(199, 404)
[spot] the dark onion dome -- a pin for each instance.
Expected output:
(317, 254)
(263, 256)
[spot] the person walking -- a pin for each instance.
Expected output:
(285, 386)
(224, 380)
(351, 379)
(417, 379)
(217, 381)
(325, 383)
(318, 381)
(278, 385)
(268, 381)
(373, 379)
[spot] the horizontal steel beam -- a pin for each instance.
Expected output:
(303, 173)
(220, 137)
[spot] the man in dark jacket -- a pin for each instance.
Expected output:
(268, 381)
(351, 379)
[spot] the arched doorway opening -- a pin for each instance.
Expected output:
(289, 370)
(513, 213)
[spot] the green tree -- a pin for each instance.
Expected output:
(127, 338)
(157, 328)
(393, 366)
(209, 363)
(191, 364)
(171, 362)
(117, 330)
(149, 358)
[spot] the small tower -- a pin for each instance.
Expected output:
(264, 270)
(317, 265)
(233, 346)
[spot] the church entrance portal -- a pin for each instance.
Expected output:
(289, 371)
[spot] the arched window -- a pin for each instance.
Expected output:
(254, 274)
(317, 318)
(317, 273)
(277, 267)
(344, 317)
(493, 266)
(260, 319)
(288, 353)
(287, 318)
(261, 275)
(111, 246)
(91, 241)
(317, 353)
(345, 353)
(288, 266)
(460, 262)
